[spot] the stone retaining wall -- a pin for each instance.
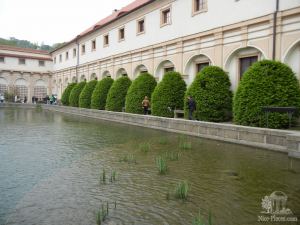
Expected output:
(277, 140)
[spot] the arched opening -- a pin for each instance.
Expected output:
(93, 76)
(194, 66)
(74, 80)
(82, 78)
(121, 73)
(138, 70)
(40, 89)
(162, 68)
(292, 58)
(3, 85)
(21, 89)
(106, 74)
(239, 61)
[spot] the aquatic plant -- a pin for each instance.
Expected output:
(198, 220)
(144, 147)
(130, 158)
(184, 143)
(102, 214)
(181, 190)
(113, 176)
(103, 176)
(161, 165)
(172, 156)
(163, 141)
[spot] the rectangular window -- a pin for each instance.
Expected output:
(200, 66)
(74, 52)
(166, 16)
(93, 45)
(141, 26)
(54, 60)
(60, 58)
(199, 6)
(169, 69)
(22, 61)
(106, 40)
(122, 34)
(245, 63)
(82, 49)
(1, 59)
(41, 63)
(67, 55)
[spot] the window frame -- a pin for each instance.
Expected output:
(60, 58)
(42, 63)
(138, 31)
(106, 40)
(240, 57)
(196, 11)
(67, 55)
(93, 45)
(74, 52)
(83, 49)
(2, 57)
(22, 63)
(121, 29)
(162, 16)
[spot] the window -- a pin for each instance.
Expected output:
(67, 55)
(60, 58)
(1, 59)
(54, 59)
(200, 66)
(82, 49)
(41, 63)
(141, 26)
(93, 45)
(22, 61)
(199, 6)
(122, 34)
(169, 69)
(166, 17)
(106, 40)
(245, 63)
(74, 52)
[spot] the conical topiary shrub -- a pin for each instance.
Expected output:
(168, 95)
(117, 94)
(75, 93)
(142, 86)
(66, 94)
(211, 91)
(266, 83)
(100, 93)
(86, 94)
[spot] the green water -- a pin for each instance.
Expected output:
(50, 167)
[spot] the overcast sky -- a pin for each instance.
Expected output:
(52, 21)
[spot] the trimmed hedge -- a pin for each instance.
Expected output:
(86, 94)
(75, 93)
(66, 94)
(266, 83)
(142, 86)
(211, 91)
(117, 94)
(100, 93)
(168, 95)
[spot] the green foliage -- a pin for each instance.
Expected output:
(75, 93)
(181, 190)
(86, 94)
(142, 86)
(161, 164)
(66, 94)
(144, 147)
(211, 91)
(168, 95)
(198, 220)
(117, 94)
(266, 83)
(100, 93)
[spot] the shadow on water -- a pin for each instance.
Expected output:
(51, 166)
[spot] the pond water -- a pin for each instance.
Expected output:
(50, 168)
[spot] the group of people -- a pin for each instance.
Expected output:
(191, 104)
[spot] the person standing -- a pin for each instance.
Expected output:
(25, 99)
(146, 105)
(191, 106)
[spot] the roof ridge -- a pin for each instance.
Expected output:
(22, 49)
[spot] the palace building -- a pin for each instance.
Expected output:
(181, 35)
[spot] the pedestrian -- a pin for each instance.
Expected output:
(16, 98)
(1, 98)
(191, 106)
(146, 105)
(51, 99)
(25, 99)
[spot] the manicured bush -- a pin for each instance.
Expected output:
(211, 91)
(75, 93)
(66, 94)
(117, 94)
(142, 86)
(86, 94)
(100, 93)
(266, 83)
(168, 95)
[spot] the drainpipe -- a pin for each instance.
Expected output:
(275, 29)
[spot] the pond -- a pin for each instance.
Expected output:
(51, 164)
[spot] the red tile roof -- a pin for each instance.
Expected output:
(114, 16)
(27, 50)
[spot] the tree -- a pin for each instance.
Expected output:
(86, 94)
(117, 94)
(75, 93)
(142, 86)
(66, 94)
(168, 95)
(211, 91)
(99, 95)
(266, 83)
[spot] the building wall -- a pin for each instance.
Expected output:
(223, 34)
